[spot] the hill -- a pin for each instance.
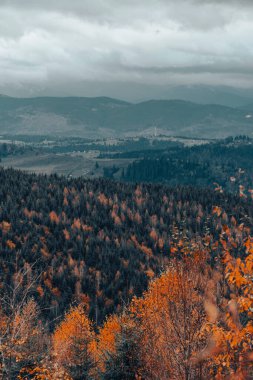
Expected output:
(98, 241)
(101, 117)
(227, 162)
(223, 95)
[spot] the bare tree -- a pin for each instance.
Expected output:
(22, 335)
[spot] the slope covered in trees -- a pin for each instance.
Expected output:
(98, 242)
(193, 322)
(227, 162)
(103, 280)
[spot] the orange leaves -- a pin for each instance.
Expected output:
(153, 235)
(134, 240)
(225, 315)
(65, 201)
(76, 224)
(40, 291)
(241, 191)
(249, 264)
(171, 315)
(65, 196)
(103, 199)
(173, 249)
(160, 243)
(249, 245)
(138, 191)
(87, 228)
(54, 217)
(142, 246)
(211, 310)
(48, 283)
(44, 252)
(150, 273)
(5, 226)
(232, 332)
(224, 244)
(217, 210)
(137, 218)
(36, 373)
(146, 250)
(10, 244)
(73, 335)
(66, 234)
(226, 229)
(116, 218)
(107, 334)
(239, 271)
(74, 345)
(29, 214)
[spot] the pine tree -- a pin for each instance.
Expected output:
(125, 362)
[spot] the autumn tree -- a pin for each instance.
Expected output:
(231, 314)
(23, 337)
(73, 344)
(22, 340)
(172, 319)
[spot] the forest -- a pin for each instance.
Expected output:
(228, 162)
(111, 280)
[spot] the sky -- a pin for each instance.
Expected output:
(114, 47)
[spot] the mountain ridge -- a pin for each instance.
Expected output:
(105, 116)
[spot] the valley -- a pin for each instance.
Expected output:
(80, 157)
(154, 158)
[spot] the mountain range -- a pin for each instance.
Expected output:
(104, 117)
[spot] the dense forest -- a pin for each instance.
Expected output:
(227, 162)
(12, 149)
(110, 280)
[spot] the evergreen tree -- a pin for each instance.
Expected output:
(125, 363)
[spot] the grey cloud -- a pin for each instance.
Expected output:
(200, 69)
(238, 3)
(47, 45)
(195, 13)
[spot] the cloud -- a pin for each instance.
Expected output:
(50, 44)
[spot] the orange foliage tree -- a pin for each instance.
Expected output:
(73, 344)
(172, 319)
(231, 316)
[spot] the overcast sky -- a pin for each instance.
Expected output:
(91, 47)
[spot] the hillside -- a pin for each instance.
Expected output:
(101, 117)
(223, 95)
(226, 162)
(98, 240)
(98, 276)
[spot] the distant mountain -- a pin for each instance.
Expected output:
(248, 107)
(222, 95)
(140, 92)
(102, 117)
(59, 116)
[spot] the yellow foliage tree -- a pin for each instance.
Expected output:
(73, 343)
(172, 319)
(232, 327)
